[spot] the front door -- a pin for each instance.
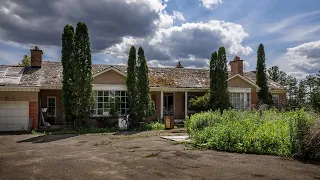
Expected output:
(168, 104)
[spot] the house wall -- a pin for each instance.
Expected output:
(58, 94)
(238, 82)
(282, 98)
(32, 97)
(109, 77)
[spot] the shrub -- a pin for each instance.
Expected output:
(312, 140)
(201, 103)
(153, 126)
(268, 132)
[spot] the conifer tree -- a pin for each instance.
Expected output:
(220, 93)
(145, 104)
(213, 78)
(131, 82)
(83, 74)
(67, 59)
(261, 76)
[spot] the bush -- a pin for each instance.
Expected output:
(156, 126)
(201, 103)
(270, 132)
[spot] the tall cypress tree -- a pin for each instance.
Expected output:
(131, 82)
(213, 80)
(67, 59)
(146, 105)
(83, 78)
(261, 76)
(219, 78)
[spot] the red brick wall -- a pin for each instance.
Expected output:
(33, 113)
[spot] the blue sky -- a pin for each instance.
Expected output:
(171, 30)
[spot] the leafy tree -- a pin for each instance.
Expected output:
(146, 105)
(292, 92)
(68, 73)
(315, 95)
(274, 73)
(283, 78)
(131, 82)
(301, 93)
(261, 76)
(26, 61)
(83, 74)
(218, 80)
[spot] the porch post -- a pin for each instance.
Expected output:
(186, 104)
(161, 105)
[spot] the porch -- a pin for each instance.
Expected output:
(174, 102)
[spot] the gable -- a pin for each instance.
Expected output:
(237, 81)
(109, 77)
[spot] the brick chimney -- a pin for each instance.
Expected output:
(36, 57)
(236, 66)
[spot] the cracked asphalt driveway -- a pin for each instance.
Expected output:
(141, 155)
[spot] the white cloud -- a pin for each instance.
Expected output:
(191, 43)
(210, 3)
(301, 60)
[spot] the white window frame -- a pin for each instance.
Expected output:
(95, 109)
(277, 97)
(234, 96)
(55, 105)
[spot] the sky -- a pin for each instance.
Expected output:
(169, 30)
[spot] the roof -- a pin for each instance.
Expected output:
(51, 73)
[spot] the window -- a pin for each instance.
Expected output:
(104, 100)
(240, 100)
(51, 106)
(275, 99)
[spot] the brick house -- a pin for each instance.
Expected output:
(24, 91)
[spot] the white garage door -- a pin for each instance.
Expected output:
(14, 115)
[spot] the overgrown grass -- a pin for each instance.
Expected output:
(274, 132)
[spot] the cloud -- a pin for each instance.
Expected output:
(290, 21)
(210, 3)
(41, 22)
(190, 43)
(304, 59)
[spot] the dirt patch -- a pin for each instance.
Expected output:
(138, 155)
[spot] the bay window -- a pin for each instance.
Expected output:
(104, 101)
(239, 100)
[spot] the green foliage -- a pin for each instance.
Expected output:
(83, 75)
(68, 74)
(77, 76)
(274, 73)
(114, 109)
(131, 83)
(261, 76)
(155, 126)
(26, 61)
(273, 132)
(219, 95)
(145, 104)
(201, 103)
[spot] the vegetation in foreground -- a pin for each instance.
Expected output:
(273, 132)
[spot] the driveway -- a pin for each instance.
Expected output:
(135, 156)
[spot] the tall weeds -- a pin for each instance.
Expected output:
(272, 132)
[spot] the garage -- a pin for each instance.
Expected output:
(14, 115)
